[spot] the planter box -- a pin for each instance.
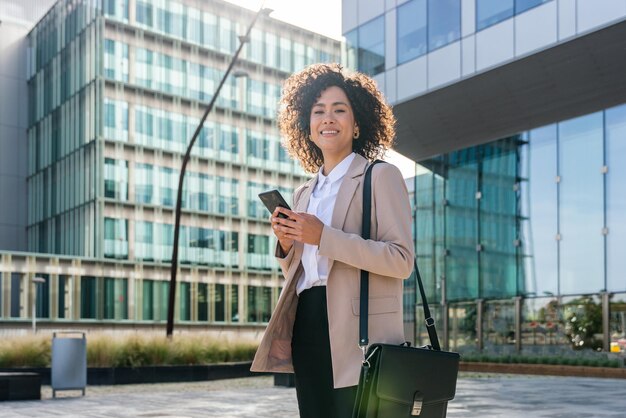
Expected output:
(20, 386)
(153, 374)
(543, 369)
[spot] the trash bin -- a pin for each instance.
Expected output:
(69, 362)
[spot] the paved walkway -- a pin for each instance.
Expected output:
(478, 395)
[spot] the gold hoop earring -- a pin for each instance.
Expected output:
(356, 133)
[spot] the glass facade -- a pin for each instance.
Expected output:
(426, 25)
(527, 227)
(116, 91)
(366, 47)
(490, 12)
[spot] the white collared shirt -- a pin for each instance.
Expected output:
(321, 204)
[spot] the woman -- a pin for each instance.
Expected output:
(335, 123)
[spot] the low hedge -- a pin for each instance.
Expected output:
(554, 360)
(110, 350)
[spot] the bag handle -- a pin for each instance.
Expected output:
(364, 308)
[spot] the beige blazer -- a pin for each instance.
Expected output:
(388, 257)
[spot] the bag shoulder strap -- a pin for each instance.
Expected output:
(364, 296)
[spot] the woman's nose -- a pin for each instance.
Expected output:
(328, 118)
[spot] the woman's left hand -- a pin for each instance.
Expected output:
(301, 226)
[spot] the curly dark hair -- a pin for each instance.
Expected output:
(372, 114)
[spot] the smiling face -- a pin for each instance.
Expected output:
(332, 125)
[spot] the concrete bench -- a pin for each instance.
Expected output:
(20, 386)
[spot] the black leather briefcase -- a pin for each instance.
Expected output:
(398, 380)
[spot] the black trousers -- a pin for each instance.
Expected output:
(312, 363)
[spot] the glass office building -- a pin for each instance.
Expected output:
(519, 189)
(116, 90)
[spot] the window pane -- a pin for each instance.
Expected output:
(581, 205)
(444, 22)
(462, 225)
(498, 325)
(412, 30)
(219, 301)
(234, 303)
(617, 322)
(148, 300)
(203, 299)
(372, 46)
(462, 327)
(540, 323)
(616, 198)
(523, 5)
(539, 211)
(88, 299)
(498, 220)
(352, 46)
(490, 12)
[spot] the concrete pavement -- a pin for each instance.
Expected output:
(478, 395)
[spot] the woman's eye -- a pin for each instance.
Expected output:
(340, 110)
(318, 112)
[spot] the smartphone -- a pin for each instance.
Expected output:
(271, 199)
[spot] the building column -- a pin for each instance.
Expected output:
(211, 301)
(75, 304)
(193, 302)
(606, 321)
(135, 294)
(479, 323)
(518, 323)
(53, 287)
(5, 259)
(241, 301)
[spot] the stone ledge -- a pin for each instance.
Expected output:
(543, 369)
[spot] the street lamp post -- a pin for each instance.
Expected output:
(174, 268)
(36, 281)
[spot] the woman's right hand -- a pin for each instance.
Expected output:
(285, 243)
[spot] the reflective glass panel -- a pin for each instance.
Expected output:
(88, 298)
(219, 302)
(498, 219)
(185, 301)
(371, 57)
(539, 213)
(148, 300)
(582, 319)
(203, 302)
(499, 326)
(462, 334)
(234, 303)
(523, 5)
(581, 216)
(462, 225)
(444, 22)
(617, 323)
(412, 30)
(615, 120)
(540, 324)
(352, 47)
(490, 12)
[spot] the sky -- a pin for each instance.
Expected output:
(324, 17)
(321, 16)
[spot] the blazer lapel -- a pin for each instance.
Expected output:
(345, 194)
(346, 191)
